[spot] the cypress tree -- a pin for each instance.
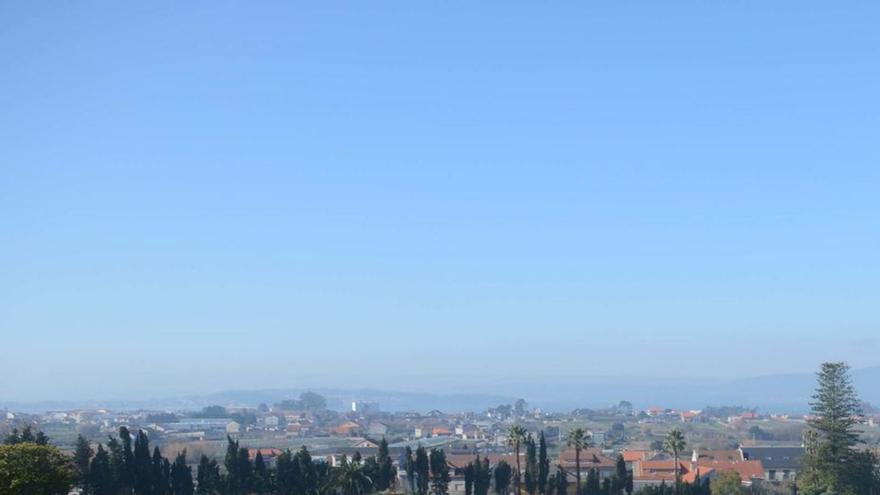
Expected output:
(482, 476)
(125, 471)
(385, 473)
(594, 486)
(81, 459)
(439, 472)
(261, 474)
(543, 464)
(238, 468)
(208, 476)
(100, 477)
(502, 474)
(410, 469)
(27, 435)
(561, 480)
(181, 476)
(531, 474)
(160, 473)
(422, 469)
(308, 473)
(469, 475)
(143, 466)
(287, 476)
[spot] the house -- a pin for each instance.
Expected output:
(780, 463)
(439, 431)
(346, 429)
(297, 430)
(233, 428)
(271, 421)
(630, 456)
(746, 416)
(377, 429)
(270, 456)
(363, 443)
(468, 432)
(456, 464)
(698, 456)
(655, 472)
(689, 416)
(590, 458)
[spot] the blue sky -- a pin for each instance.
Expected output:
(433, 195)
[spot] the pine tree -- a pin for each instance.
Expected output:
(41, 438)
(831, 462)
(27, 435)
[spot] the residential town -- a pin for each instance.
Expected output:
(764, 451)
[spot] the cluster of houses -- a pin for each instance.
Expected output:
(330, 436)
(754, 465)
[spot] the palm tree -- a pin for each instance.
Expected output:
(351, 478)
(516, 436)
(674, 444)
(579, 440)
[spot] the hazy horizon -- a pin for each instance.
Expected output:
(433, 197)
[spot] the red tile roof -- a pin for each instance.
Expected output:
(747, 470)
(252, 453)
(635, 455)
(590, 458)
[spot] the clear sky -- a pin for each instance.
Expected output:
(197, 196)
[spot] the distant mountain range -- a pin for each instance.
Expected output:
(773, 393)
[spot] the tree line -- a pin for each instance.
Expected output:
(127, 467)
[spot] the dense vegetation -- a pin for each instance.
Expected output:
(127, 467)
